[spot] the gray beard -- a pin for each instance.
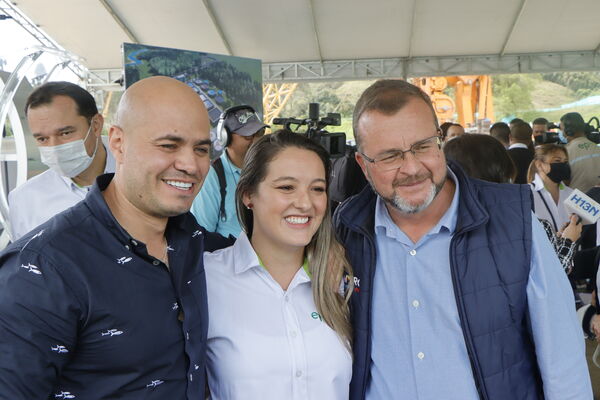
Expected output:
(406, 208)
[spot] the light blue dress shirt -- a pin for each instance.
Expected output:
(418, 348)
(207, 204)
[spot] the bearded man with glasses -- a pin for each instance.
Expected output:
(458, 293)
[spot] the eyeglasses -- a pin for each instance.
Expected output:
(422, 150)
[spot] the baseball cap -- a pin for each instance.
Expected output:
(243, 121)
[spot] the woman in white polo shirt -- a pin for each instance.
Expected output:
(279, 326)
(548, 170)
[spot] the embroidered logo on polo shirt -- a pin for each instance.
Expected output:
(64, 395)
(32, 268)
(316, 315)
(155, 383)
(175, 306)
(112, 332)
(59, 349)
(123, 260)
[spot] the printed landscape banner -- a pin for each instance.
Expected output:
(221, 81)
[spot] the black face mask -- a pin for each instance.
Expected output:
(559, 172)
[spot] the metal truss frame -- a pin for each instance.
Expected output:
(340, 70)
(343, 70)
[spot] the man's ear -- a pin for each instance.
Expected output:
(362, 163)
(116, 142)
(97, 124)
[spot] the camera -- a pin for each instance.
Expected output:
(333, 142)
(593, 132)
(547, 137)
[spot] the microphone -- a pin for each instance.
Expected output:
(584, 206)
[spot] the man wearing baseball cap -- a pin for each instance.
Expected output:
(214, 207)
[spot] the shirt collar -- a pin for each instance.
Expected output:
(517, 146)
(538, 183)
(228, 164)
(245, 258)
(384, 222)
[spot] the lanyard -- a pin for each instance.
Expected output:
(549, 211)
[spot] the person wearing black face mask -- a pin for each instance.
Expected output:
(547, 173)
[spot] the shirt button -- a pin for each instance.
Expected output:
(415, 303)
(155, 262)
(133, 242)
(298, 374)
(127, 246)
(191, 378)
(412, 252)
(187, 335)
(287, 299)
(293, 334)
(420, 355)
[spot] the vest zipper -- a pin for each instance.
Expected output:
(367, 358)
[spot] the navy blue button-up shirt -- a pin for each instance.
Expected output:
(87, 313)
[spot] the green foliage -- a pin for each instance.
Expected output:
(583, 84)
(586, 112)
(339, 97)
(512, 93)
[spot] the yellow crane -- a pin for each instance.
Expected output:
(472, 97)
(275, 96)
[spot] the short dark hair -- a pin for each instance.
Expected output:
(387, 96)
(45, 94)
(515, 121)
(444, 128)
(540, 121)
(573, 123)
(481, 157)
(501, 131)
(521, 132)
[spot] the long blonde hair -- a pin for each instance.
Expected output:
(540, 153)
(327, 262)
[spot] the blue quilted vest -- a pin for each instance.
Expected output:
(490, 255)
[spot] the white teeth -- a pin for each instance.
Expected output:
(179, 185)
(297, 220)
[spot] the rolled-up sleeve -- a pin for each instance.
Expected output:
(557, 334)
(39, 315)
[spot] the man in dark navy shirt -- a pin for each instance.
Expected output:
(108, 299)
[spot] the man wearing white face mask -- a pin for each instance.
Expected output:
(67, 128)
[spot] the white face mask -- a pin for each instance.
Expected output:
(69, 159)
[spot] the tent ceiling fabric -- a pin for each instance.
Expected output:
(299, 31)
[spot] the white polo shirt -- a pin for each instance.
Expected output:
(546, 208)
(44, 196)
(264, 342)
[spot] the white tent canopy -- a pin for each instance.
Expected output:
(337, 39)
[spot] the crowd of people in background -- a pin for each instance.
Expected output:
(553, 161)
